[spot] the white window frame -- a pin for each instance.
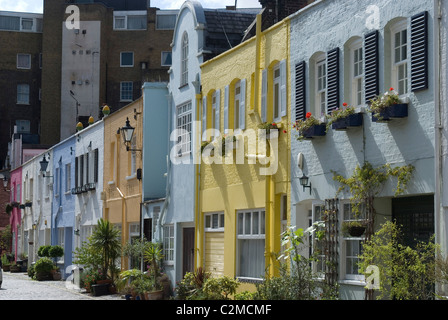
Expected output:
(321, 86)
(400, 63)
(23, 93)
(348, 216)
(26, 124)
(22, 20)
(184, 59)
(318, 209)
(28, 66)
(121, 59)
(357, 73)
(209, 222)
(68, 180)
(246, 231)
(168, 243)
(184, 125)
(122, 98)
(124, 15)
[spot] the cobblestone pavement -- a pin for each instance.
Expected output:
(18, 286)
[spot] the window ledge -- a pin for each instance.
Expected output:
(111, 182)
(131, 177)
(353, 282)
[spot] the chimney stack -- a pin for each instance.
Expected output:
(277, 10)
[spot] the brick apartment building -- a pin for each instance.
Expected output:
(118, 46)
(20, 77)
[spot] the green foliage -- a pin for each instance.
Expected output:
(383, 101)
(88, 256)
(339, 113)
(44, 264)
(302, 125)
(44, 251)
(5, 238)
(405, 273)
(297, 281)
(55, 251)
(107, 240)
(367, 182)
(199, 285)
(5, 261)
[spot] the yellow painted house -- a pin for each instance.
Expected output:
(122, 194)
(243, 201)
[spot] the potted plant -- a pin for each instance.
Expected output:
(266, 128)
(154, 255)
(28, 203)
(343, 118)
(14, 268)
(387, 106)
(43, 268)
(15, 204)
(6, 265)
(310, 127)
(354, 228)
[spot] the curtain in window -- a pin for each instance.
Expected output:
(23, 61)
(9, 23)
(251, 258)
(27, 24)
(137, 22)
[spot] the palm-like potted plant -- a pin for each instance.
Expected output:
(154, 255)
(387, 106)
(310, 127)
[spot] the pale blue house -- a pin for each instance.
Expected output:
(365, 49)
(63, 208)
(197, 37)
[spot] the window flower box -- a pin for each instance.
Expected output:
(352, 120)
(399, 110)
(310, 128)
(388, 106)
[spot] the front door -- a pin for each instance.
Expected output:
(188, 250)
(415, 217)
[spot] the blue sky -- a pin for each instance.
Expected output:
(37, 5)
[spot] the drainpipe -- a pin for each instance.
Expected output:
(257, 62)
(438, 128)
(198, 221)
(123, 220)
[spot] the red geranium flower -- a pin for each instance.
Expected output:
(308, 115)
(391, 89)
(345, 104)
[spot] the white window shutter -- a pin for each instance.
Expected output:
(242, 124)
(204, 118)
(264, 92)
(283, 88)
(218, 109)
(226, 109)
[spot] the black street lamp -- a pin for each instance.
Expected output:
(304, 182)
(127, 132)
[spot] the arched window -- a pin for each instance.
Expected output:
(184, 60)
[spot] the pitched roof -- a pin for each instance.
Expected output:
(226, 28)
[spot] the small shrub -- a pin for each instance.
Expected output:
(43, 251)
(56, 251)
(44, 265)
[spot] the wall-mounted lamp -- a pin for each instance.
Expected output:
(89, 147)
(304, 182)
(127, 133)
(43, 167)
(5, 183)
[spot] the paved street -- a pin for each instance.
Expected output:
(18, 286)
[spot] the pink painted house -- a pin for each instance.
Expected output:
(16, 217)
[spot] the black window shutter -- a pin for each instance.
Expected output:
(95, 172)
(332, 80)
(87, 168)
(81, 174)
(419, 51)
(371, 65)
(300, 91)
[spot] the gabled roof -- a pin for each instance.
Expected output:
(226, 28)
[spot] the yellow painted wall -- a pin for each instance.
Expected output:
(122, 209)
(233, 187)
